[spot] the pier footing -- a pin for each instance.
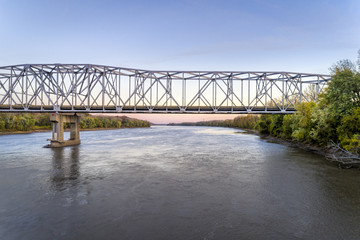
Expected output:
(58, 121)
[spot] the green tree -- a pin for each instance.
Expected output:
(324, 123)
(302, 125)
(99, 123)
(247, 122)
(116, 124)
(2, 124)
(287, 126)
(107, 123)
(43, 120)
(349, 132)
(343, 93)
(88, 122)
(275, 127)
(263, 125)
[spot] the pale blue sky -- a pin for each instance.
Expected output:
(263, 35)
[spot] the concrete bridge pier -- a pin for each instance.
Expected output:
(58, 121)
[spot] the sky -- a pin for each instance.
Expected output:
(237, 35)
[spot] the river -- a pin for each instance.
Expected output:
(173, 183)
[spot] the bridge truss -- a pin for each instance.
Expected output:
(95, 88)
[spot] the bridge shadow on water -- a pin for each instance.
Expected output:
(65, 170)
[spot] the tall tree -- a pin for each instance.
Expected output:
(343, 92)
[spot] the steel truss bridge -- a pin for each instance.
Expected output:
(66, 88)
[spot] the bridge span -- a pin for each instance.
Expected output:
(64, 88)
(87, 88)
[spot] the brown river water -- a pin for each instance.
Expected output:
(173, 183)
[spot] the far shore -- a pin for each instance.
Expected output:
(49, 130)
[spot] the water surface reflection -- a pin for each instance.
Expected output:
(65, 168)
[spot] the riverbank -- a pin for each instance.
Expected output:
(329, 152)
(333, 153)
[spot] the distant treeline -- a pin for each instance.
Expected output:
(246, 122)
(35, 121)
(112, 122)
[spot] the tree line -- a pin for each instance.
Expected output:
(35, 121)
(90, 122)
(246, 122)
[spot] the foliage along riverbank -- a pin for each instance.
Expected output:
(333, 121)
(30, 122)
(330, 126)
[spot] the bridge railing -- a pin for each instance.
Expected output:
(95, 88)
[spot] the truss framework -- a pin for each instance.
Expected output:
(96, 88)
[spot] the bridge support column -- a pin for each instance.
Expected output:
(58, 121)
